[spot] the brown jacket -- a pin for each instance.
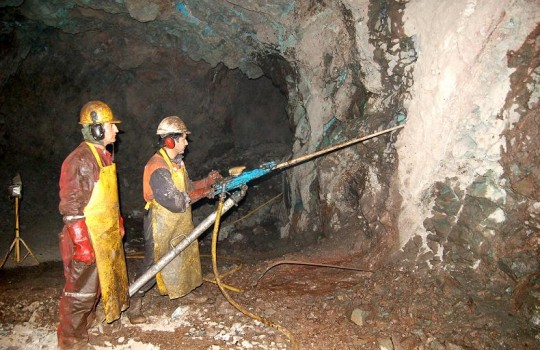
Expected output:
(79, 173)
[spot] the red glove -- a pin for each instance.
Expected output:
(121, 226)
(212, 177)
(199, 193)
(82, 250)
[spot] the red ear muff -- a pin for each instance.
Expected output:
(169, 142)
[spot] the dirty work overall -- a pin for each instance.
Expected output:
(183, 273)
(102, 219)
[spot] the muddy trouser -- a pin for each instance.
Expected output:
(79, 297)
(148, 256)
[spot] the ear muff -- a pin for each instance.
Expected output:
(169, 142)
(96, 129)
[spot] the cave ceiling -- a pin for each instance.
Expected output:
(236, 33)
(147, 59)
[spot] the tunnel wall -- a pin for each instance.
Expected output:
(455, 184)
(450, 191)
(459, 206)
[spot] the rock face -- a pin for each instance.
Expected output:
(458, 186)
(477, 199)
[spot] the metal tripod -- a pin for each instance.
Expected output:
(17, 241)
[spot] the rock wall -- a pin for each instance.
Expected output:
(449, 187)
(457, 201)
(461, 184)
(351, 79)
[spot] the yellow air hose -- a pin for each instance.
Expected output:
(226, 294)
(226, 273)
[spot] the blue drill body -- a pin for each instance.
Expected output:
(234, 182)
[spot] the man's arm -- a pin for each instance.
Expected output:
(77, 179)
(166, 193)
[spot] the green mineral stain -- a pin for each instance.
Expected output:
(185, 11)
(342, 76)
(401, 118)
(328, 125)
(208, 31)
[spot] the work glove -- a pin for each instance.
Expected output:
(82, 250)
(121, 226)
(212, 177)
(199, 193)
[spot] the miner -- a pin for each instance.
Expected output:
(169, 194)
(91, 239)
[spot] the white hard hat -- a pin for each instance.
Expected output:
(172, 125)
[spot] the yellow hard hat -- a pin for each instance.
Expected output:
(96, 112)
(172, 125)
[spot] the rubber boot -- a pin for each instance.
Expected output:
(134, 312)
(96, 318)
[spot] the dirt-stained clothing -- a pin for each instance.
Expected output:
(168, 219)
(79, 173)
(88, 192)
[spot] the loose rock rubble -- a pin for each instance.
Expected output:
(324, 308)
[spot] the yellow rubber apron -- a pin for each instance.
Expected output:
(102, 213)
(183, 273)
